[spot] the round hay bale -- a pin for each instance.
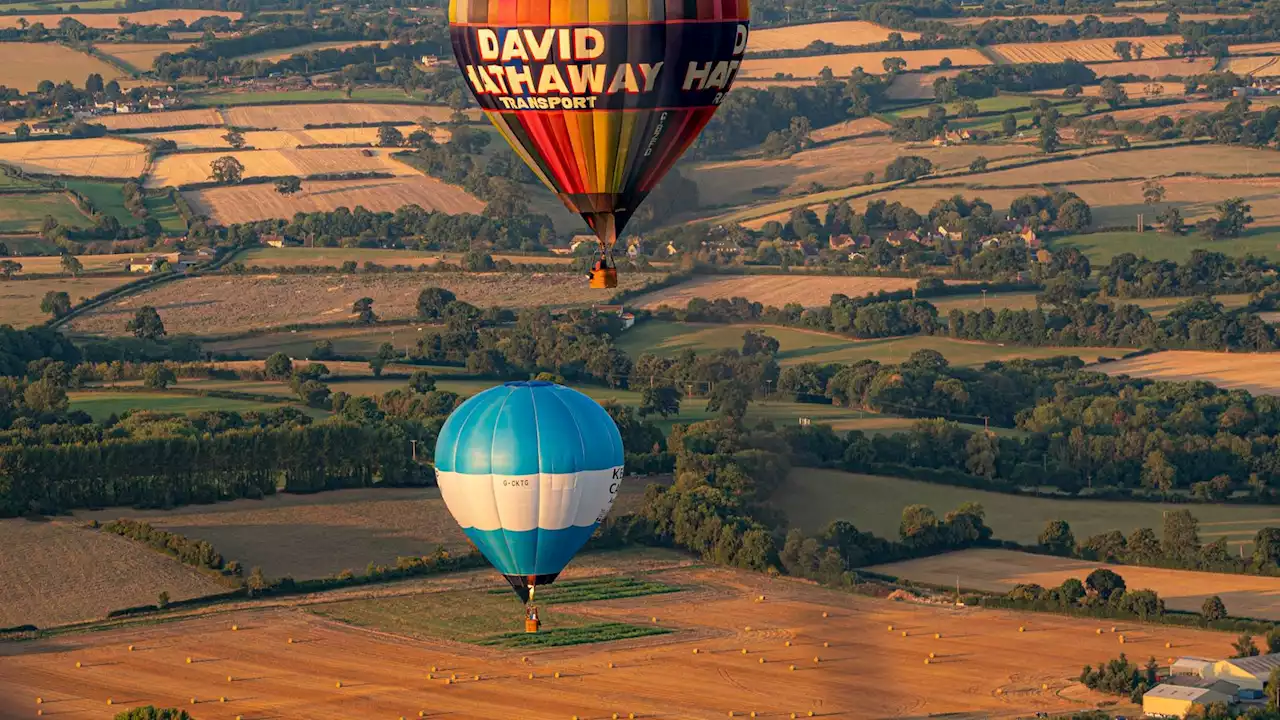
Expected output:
(222, 699)
(234, 628)
(810, 713)
(557, 675)
(824, 614)
(653, 619)
(826, 644)
(1113, 628)
(39, 712)
(937, 636)
(1121, 639)
(760, 599)
(39, 701)
(1044, 686)
(1171, 661)
(747, 628)
(422, 713)
(188, 661)
(1022, 628)
(631, 716)
(453, 676)
(792, 668)
(786, 644)
(761, 661)
(752, 713)
(744, 651)
(890, 628)
(434, 668)
(448, 681)
(290, 641)
(904, 633)
(999, 691)
(793, 716)
(1168, 644)
(109, 701)
(338, 684)
(932, 655)
(230, 679)
(194, 701)
(730, 713)
(615, 716)
(430, 676)
(130, 648)
(79, 664)
(817, 659)
(926, 661)
(610, 666)
(530, 676)
(1099, 631)
(695, 651)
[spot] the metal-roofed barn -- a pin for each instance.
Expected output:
(1176, 701)
(1250, 673)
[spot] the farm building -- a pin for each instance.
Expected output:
(1198, 667)
(1177, 701)
(1250, 673)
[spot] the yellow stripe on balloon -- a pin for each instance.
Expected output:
(606, 126)
(625, 134)
(578, 126)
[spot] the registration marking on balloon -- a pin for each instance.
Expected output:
(610, 67)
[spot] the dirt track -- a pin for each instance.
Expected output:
(984, 664)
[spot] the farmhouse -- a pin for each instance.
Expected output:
(1178, 701)
(41, 128)
(149, 264)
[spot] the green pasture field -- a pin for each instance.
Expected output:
(797, 346)
(109, 198)
(10, 182)
(494, 617)
(991, 104)
(324, 256)
(1153, 245)
(101, 404)
(361, 341)
(257, 98)
(1158, 307)
(813, 498)
(25, 213)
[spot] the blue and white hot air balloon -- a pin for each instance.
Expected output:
(529, 469)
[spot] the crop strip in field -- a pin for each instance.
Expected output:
(599, 589)
(598, 632)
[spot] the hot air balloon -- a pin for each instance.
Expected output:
(599, 97)
(529, 469)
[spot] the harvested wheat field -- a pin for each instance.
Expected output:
(140, 55)
(999, 570)
(1260, 66)
(246, 203)
(221, 305)
(20, 299)
(110, 20)
(169, 118)
(187, 168)
(1207, 159)
(23, 65)
(1151, 17)
(333, 670)
(56, 572)
(1137, 89)
(849, 129)
(916, 86)
(1099, 50)
(1259, 373)
(1177, 67)
(1268, 48)
(283, 139)
(766, 83)
(844, 32)
(844, 63)
(776, 290)
(1174, 112)
(115, 262)
(839, 164)
(103, 157)
(297, 117)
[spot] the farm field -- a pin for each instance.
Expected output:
(1132, 89)
(916, 86)
(26, 212)
(1000, 570)
(43, 264)
(800, 346)
(981, 668)
(813, 498)
(236, 97)
(59, 572)
(168, 118)
(1178, 67)
(1147, 114)
(840, 164)
(283, 139)
(844, 63)
(1255, 66)
(1151, 17)
(101, 405)
(102, 157)
(996, 301)
(282, 53)
(1155, 162)
(775, 290)
(299, 343)
(223, 304)
(1101, 247)
(246, 203)
(23, 65)
(849, 129)
(322, 256)
(297, 117)
(109, 198)
(109, 20)
(20, 299)
(185, 168)
(1259, 373)
(140, 56)
(845, 32)
(1097, 50)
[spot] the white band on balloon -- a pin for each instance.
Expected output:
(549, 501)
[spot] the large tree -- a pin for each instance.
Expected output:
(146, 324)
(56, 302)
(226, 170)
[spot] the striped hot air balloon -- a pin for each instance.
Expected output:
(599, 97)
(529, 469)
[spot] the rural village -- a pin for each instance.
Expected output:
(937, 341)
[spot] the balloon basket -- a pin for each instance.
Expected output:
(531, 626)
(604, 278)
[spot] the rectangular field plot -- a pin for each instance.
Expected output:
(102, 157)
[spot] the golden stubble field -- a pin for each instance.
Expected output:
(999, 570)
(57, 572)
(863, 670)
(836, 165)
(1099, 50)
(20, 299)
(110, 20)
(246, 203)
(1266, 66)
(168, 118)
(187, 168)
(844, 32)
(141, 55)
(1160, 67)
(1151, 17)
(1207, 159)
(776, 290)
(23, 65)
(224, 304)
(297, 117)
(213, 137)
(1259, 373)
(104, 156)
(844, 63)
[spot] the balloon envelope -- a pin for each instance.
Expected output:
(599, 97)
(529, 469)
